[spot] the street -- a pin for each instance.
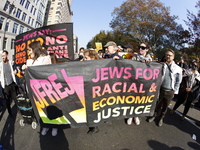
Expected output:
(175, 134)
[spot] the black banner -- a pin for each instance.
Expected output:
(91, 92)
(56, 39)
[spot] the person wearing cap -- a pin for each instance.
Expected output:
(112, 49)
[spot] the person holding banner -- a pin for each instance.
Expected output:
(39, 57)
(8, 80)
(172, 77)
(112, 49)
(142, 56)
(91, 55)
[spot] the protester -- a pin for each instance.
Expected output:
(189, 89)
(172, 77)
(81, 54)
(182, 64)
(2, 96)
(100, 53)
(112, 49)
(142, 56)
(91, 55)
(39, 57)
(8, 80)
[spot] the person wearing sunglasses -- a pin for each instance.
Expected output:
(142, 56)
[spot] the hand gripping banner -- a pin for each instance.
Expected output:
(89, 93)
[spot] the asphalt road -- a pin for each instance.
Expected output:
(175, 134)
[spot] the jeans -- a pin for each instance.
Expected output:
(163, 102)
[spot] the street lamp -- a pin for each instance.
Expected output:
(11, 8)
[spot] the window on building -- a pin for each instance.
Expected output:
(58, 8)
(43, 1)
(1, 22)
(27, 29)
(21, 29)
(18, 13)
(36, 2)
(37, 25)
(7, 25)
(24, 16)
(31, 9)
(58, 13)
(34, 11)
(12, 43)
(15, 26)
(4, 42)
(22, 2)
(29, 20)
(39, 17)
(32, 22)
(41, 8)
(6, 5)
(27, 4)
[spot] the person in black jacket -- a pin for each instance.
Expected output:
(112, 49)
(189, 89)
(182, 64)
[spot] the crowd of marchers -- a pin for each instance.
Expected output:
(180, 81)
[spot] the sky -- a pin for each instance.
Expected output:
(92, 16)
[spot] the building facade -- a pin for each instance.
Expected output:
(59, 12)
(18, 16)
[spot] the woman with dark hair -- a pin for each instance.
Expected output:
(91, 55)
(38, 57)
(142, 56)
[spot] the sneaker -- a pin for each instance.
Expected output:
(182, 117)
(172, 111)
(54, 131)
(160, 123)
(129, 121)
(137, 120)
(44, 131)
(151, 119)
